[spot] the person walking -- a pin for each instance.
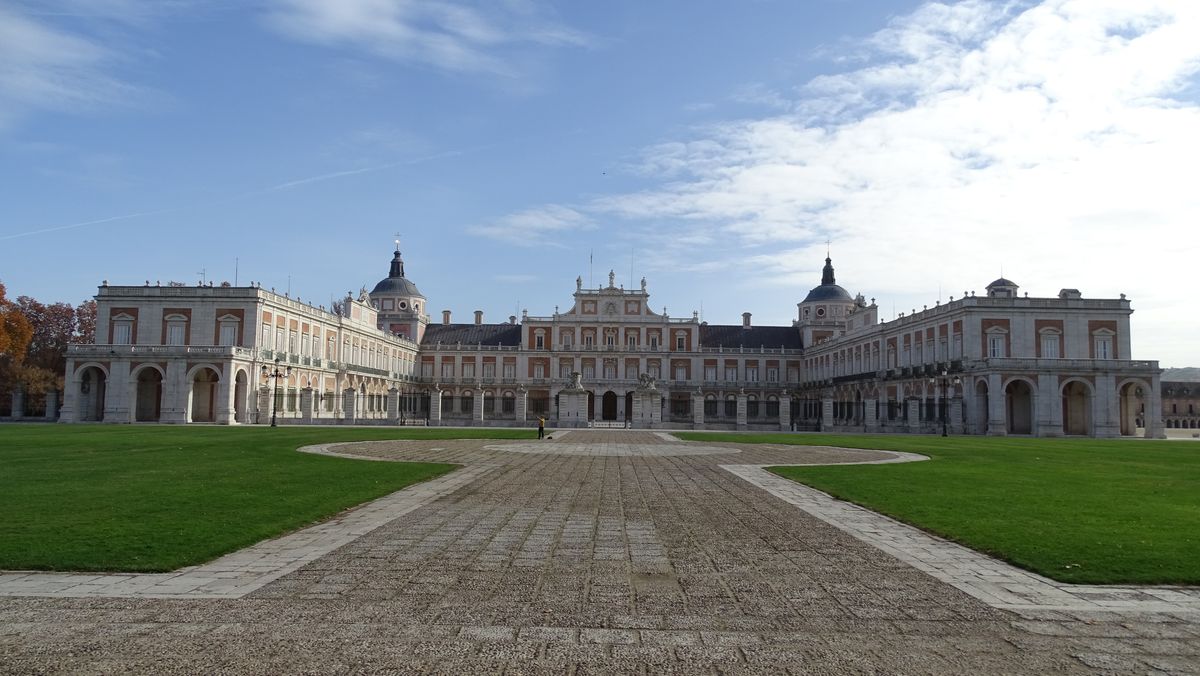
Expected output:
(541, 427)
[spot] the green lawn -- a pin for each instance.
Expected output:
(1075, 510)
(155, 498)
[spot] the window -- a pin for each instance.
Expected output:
(610, 371)
(228, 333)
(680, 341)
(467, 403)
(489, 370)
(266, 336)
(564, 370)
(589, 372)
(610, 340)
(279, 340)
(176, 330)
(996, 346)
(1103, 347)
(731, 373)
(427, 369)
(539, 342)
(1049, 345)
(752, 408)
(566, 341)
(772, 376)
(539, 371)
(710, 374)
(123, 332)
(447, 369)
(589, 340)
(510, 371)
(752, 374)
(654, 342)
(730, 407)
(468, 370)
(653, 370)
(680, 373)
(631, 342)
(292, 342)
(773, 408)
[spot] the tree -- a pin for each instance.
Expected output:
(53, 328)
(85, 323)
(15, 331)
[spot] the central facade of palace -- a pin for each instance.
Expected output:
(995, 364)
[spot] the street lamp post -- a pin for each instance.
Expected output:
(944, 380)
(275, 374)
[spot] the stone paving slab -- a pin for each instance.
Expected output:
(568, 563)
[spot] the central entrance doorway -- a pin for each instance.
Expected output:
(609, 406)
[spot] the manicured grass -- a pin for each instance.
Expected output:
(155, 498)
(1075, 510)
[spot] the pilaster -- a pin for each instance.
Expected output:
(997, 416)
(349, 403)
(785, 411)
(741, 410)
(435, 406)
(393, 405)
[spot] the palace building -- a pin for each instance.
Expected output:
(996, 364)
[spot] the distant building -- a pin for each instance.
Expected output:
(1000, 364)
(1181, 405)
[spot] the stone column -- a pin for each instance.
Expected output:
(572, 405)
(176, 393)
(349, 403)
(263, 409)
(477, 408)
(997, 415)
(1048, 416)
(393, 405)
(223, 402)
(698, 409)
(1154, 412)
(870, 420)
(741, 410)
(306, 405)
(522, 405)
(785, 411)
(71, 403)
(826, 414)
(18, 403)
(956, 409)
(52, 405)
(435, 406)
(118, 399)
(1106, 411)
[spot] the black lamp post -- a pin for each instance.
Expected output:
(275, 374)
(944, 380)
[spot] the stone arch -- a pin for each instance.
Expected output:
(91, 379)
(1019, 396)
(241, 393)
(147, 393)
(203, 383)
(1130, 393)
(1077, 398)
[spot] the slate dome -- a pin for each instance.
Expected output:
(396, 283)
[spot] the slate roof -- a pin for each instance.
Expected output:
(717, 335)
(472, 334)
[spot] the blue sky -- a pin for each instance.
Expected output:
(712, 147)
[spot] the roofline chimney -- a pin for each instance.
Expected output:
(512, 319)
(478, 317)
(745, 320)
(446, 317)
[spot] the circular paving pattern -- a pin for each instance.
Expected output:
(612, 450)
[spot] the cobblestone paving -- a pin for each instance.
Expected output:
(609, 561)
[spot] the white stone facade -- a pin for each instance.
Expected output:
(1001, 364)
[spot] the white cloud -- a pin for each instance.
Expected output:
(535, 227)
(447, 35)
(1055, 140)
(45, 68)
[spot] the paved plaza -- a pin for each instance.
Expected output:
(597, 552)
